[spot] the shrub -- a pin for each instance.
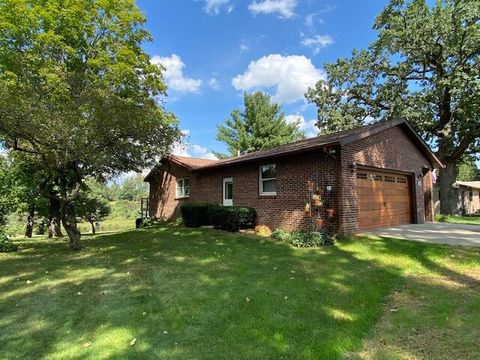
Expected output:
(233, 218)
(5, 244)
(303, 238)
(198, 214)
(148, 222)
(441, 218)
(282, 235)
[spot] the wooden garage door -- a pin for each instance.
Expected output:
(384, 199)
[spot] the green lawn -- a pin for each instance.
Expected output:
(203, 294)
(457, 219)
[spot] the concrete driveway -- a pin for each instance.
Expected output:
(435, 233)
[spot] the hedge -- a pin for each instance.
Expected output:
(229, 218)
(197, 214)
(233, 218)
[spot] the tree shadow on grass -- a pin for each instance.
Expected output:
(186, 293)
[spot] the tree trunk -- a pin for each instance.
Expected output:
(448, 195)
(30, 221)
(69, 222)
(54, 228)
(93, 227)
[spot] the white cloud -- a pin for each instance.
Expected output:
(318, 42)
(184, 148)
(214, 7)
(244, 47)
(174, 76)
(213, 83)
(284, 8)
(307, 126)
(290, 76)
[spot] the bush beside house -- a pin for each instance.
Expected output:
(229, 218)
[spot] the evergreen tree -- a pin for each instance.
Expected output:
(261, 125)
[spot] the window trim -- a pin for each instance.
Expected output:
(182, 180)
(261, 180)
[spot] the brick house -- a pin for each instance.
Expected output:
(377, 175)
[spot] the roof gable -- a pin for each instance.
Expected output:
(183, 161)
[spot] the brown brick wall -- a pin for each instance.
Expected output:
(285, 210)
(163, 202)
(390, 149)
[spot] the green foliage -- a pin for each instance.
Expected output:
(303, 238)
(6, 245)
(261, 125)
(123, 209)
(233, 218)
(441, 218)
(195, 214)
(152, 221)
(80, 97)
(133, 188)
(468, 170)
(229, 218)
(423, 67)
(91, 207)
(458, 219)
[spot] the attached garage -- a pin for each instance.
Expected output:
(384, 199)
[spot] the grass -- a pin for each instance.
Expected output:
(108, 225)
(203, 294)
(457, 219)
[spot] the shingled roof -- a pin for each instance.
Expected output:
(191, 163)
(471, 184)
(339, 138)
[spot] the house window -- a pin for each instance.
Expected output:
(361, 176)
(183, 187)
(268, 179)
(470, 195)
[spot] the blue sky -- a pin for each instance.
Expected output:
(214, 50)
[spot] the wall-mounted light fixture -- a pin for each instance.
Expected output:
(353, 167)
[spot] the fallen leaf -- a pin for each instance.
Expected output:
(165, 332)
(29, 282)
(394, 310)
(133, 342)
(247, 299)
(286, 297)
(144, 313)
(87, 344)
(79, 293)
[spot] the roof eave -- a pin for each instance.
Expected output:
(266, 157)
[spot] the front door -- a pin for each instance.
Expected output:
(227, 191)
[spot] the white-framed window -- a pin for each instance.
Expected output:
(268, 179)
(183, 188)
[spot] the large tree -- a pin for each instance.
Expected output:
(468, 170)
(423, 66)
(78, 94)
(260, 125)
